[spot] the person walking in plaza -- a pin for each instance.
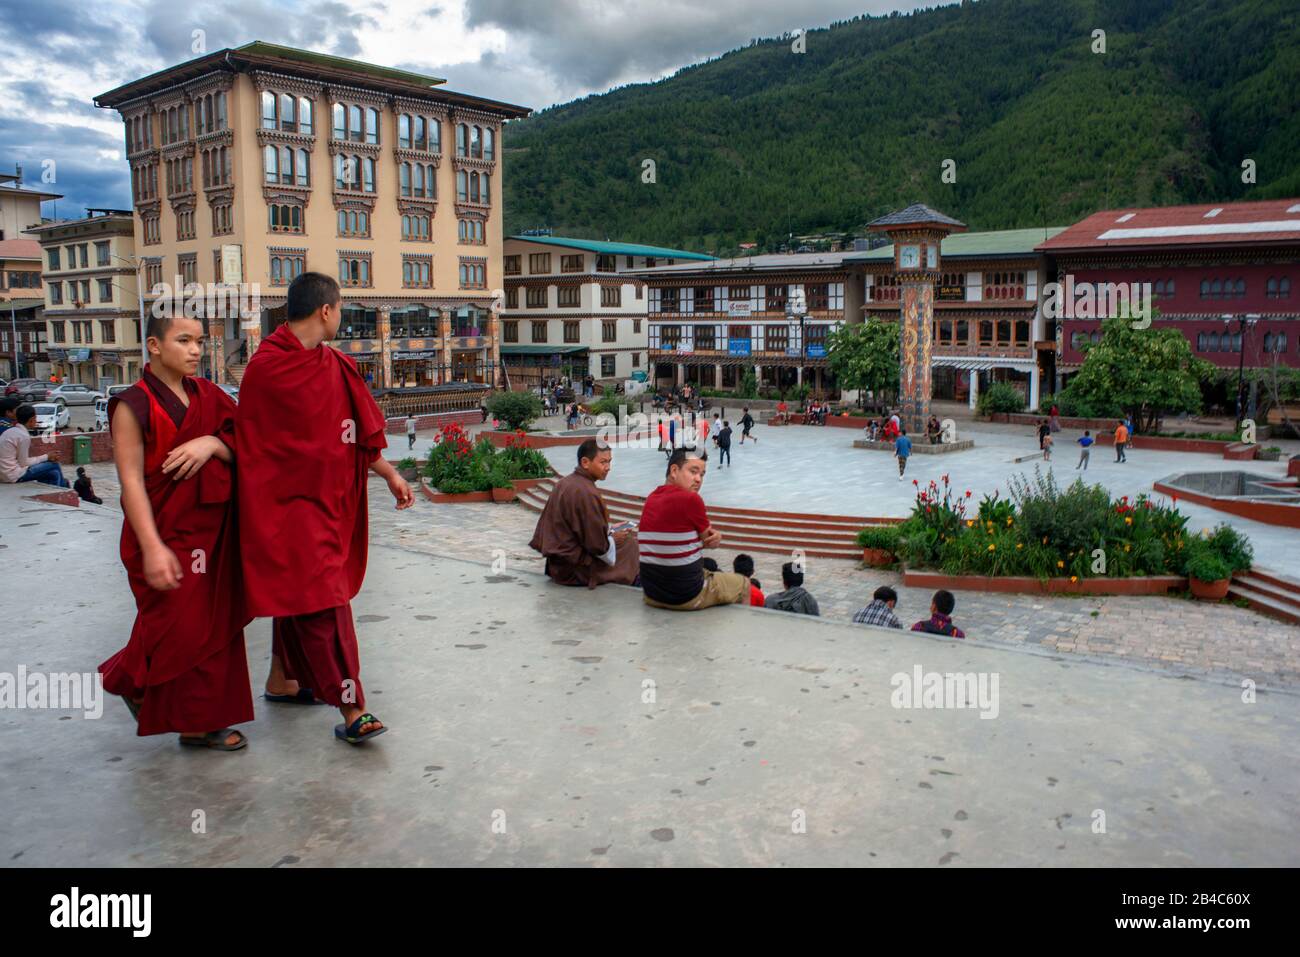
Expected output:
(1044, 430)
(902, 449)
(84, 489)
(1085, 450)
(1047, 447)
(16, 464)
(410, 432)
(746, 424)
(672, 430)
(184, 668)
(724, 445)
(307, 585)
(1054, 419)
(880, 611)
(717, 427)
(1121, 439)
(940, 620)
(673, 533)
(703, 431)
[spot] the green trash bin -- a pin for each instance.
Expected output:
(81, 449)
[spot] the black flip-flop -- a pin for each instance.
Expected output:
(304, 696)
(216, 741)
(351, 733)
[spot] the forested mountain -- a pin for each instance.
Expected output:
(763, 142)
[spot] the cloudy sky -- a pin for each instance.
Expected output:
(56, 55)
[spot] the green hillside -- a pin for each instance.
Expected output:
(763, 142)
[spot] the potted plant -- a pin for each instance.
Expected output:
(879, 545)
(408, 469)
(1270, 454)
(1209, 575)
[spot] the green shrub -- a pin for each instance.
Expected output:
(498, 475)
(1231, 546)
(1207, 564)
(1000, 397)
(515, 410)
(406, 463)
(748, 388)
(884, 537)
(608, 404)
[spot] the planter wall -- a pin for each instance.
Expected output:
(433, 495)
(503, 494)
(878, 557)
(1154, 585)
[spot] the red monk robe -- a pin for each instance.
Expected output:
(186, 654)
(307, 431)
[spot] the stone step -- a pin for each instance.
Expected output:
(1276, 579)
(1260, 586)
(1265, 604)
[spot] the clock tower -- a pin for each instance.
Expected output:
(917, 233)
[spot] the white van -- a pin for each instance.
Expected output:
(101, 415)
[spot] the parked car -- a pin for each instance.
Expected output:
(101, 415)
(51, 416)
(118, 389)
(29, 390)
(72, 393)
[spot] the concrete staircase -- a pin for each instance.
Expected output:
(1269, 593)
(747, 530)
(236, 371)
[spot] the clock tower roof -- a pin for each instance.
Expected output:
(918, 214)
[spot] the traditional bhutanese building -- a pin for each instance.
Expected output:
(254, 164)
(22, 305)
(709, 322)
(572, 308)
(1226, 275)
(988, 326)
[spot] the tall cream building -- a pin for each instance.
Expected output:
(92, 304)
(253, 164)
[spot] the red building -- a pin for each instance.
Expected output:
(1226, 275)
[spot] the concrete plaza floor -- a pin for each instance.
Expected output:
(810, 469)
(536, 725)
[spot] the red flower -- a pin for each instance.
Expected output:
(914, 482)
(968, 493)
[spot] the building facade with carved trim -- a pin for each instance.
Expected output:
(573, 309)
(711, 322)
(92, 305)
(252, 165)
(1225, 275)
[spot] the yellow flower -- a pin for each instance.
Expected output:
(1126, 548)
(1128, 521)
(1074, 578)
(1008, 521)
(1044, 539)
(1020, 544)
(1060, 564)
(970, 523)
(992, 547)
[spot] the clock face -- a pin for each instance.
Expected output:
(931, 256)
(909, 257)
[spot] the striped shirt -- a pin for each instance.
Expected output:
(669, 541)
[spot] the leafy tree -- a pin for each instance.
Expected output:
(865, 356)
(748, 388)
(1000, 397)
(1145, 372)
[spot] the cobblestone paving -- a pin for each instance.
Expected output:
(1185, 637)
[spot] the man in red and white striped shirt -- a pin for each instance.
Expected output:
(673, 534)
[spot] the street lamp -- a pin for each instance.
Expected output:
(1244, 325)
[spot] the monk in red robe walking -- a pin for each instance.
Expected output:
(184, 668)
(307, 434)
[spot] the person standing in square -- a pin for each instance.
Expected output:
(307, 435)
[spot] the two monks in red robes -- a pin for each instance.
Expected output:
(184, 668)
(307, 435)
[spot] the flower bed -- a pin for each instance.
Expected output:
(1046, 538)
(457, 466)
